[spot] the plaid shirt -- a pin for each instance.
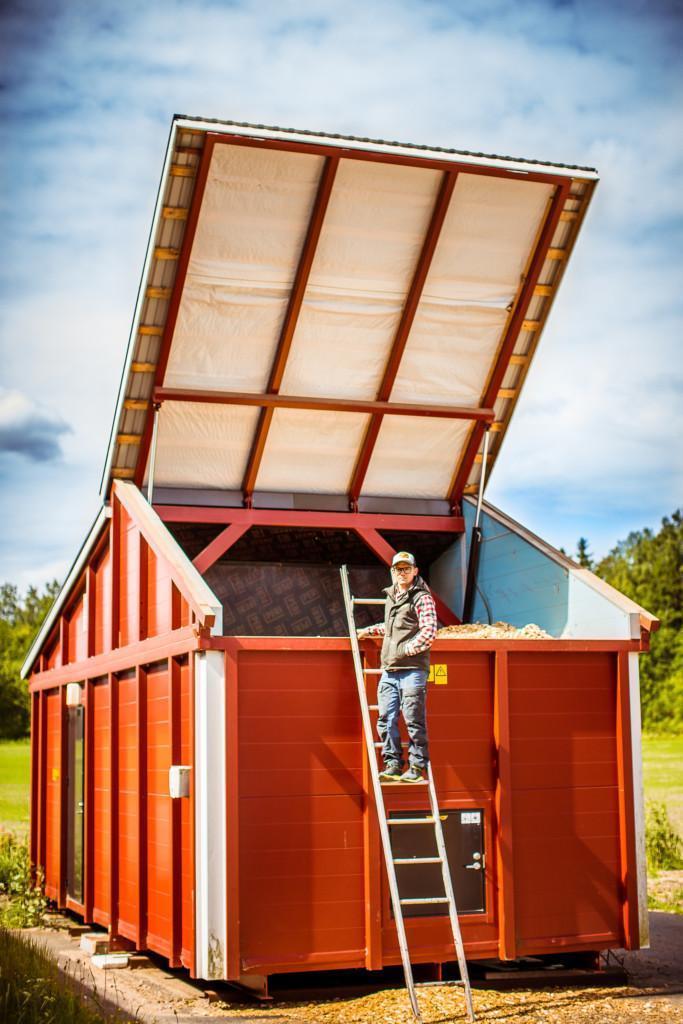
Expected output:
(427, 626)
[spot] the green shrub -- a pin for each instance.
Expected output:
(26, 904)
(663, 844)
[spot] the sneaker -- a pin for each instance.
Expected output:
(392, 773)
(413, 775)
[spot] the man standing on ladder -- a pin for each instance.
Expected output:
(409, 629)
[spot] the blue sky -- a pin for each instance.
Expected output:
(88, 90)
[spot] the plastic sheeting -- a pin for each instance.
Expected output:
(253, 222)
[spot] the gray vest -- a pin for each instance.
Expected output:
(400, 625)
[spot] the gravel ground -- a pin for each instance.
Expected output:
(154, 995)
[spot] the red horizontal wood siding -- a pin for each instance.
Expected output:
(564, 799)
(53, 789)
(102, 802)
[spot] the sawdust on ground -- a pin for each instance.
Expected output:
(495, 631)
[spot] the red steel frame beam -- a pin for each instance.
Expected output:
(291, 317)
(503, 803)
(403, 330)
(627, 824)
(385, 552)
(218, 546)
(276, 401)
(296, 518)
(510, 337)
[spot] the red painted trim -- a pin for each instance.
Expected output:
(141, 923)
(385, 553)
(232, 816)
(176, 822)
(314, 520)
(63, 640)
(113, 804)
(62, 816)
(141, 618)
(89, 802)
(176, 296)
(42, 781)
(510, 339)
(35, 781)
(372, 853)
(155, 648)
(277, 401)
(296, 299)
(193, 798)
(504, 857)
(444, 646)
(115, 592)
(218, 546)
(627, 821)
(403, 330)
(407, 160)
(90, 596)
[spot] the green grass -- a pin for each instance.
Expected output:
(663, 774)
(15, 773)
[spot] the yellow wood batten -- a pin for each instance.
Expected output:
(136, 404)
(531, 325)
(507, 393)
(543, 289)
(162, 253)
(182, 171)
(518, 360)
(158, 293)
(556, 254)
(128, 438)
(174, 213)
(119, 473)
(143, 367)
(150, 330)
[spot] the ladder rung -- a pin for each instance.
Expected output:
(378, 743)
(368, 600)
(426, 984)
(425, 899)
(373, 707)
(373, 671)
(417, 860)
(410, 821)
(398, 779)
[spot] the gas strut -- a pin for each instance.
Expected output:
(475, 540)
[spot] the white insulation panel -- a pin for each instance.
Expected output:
(252, 226)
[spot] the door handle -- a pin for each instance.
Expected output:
(473, 867)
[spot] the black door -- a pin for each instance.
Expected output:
(463, 833)
(74, 803)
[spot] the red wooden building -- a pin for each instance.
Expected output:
(326, 331)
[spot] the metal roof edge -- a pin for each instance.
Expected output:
(139, 302)
(64, 591)
(610, 593)
(521, 164)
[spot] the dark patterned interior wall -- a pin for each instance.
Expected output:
(267, 599)
(285, 582)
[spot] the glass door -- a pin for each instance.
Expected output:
(74, 801)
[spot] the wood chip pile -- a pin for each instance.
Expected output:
(443, 1004)
(497, 631)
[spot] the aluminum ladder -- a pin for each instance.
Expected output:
(385, 823)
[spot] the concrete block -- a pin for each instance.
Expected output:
(95, 943)
(110, 961)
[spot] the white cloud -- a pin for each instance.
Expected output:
(28, 430)
(91, 91)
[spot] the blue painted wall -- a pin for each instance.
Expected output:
(517, 583)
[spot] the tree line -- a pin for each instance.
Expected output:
(647, 567)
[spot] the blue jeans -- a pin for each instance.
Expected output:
(403, 691)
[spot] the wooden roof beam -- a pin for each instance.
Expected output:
(274, 401)
(296, 299)
(505, 356)
(403, 330)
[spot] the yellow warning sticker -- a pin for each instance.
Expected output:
(438, 674)
(55, 774)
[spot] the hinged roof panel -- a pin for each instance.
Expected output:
(331, 316)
